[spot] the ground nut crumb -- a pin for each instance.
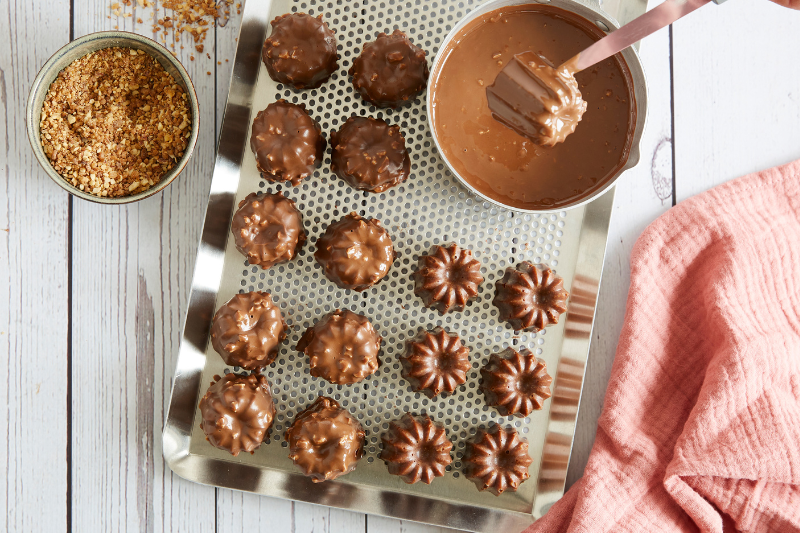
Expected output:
(114, 122)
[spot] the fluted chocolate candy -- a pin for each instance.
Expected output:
(530, 297)
(300, 51)
(248, 330)
(342, 347)
(268, 229)
(287, 142)
(390, 71)
(435, 361)
(355, 252)
(325, 441)
(497, 460)
(416, 449)
(237, 412)
(369, 154)
(447, 278)
(516, 382)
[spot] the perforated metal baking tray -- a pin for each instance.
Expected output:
(430, 208)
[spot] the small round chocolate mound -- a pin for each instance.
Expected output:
(300, 51)
(369, 154)
(416, 449)
(287, 142)
(497, 460)
(268, 229)
(342, 347)
(530, 297)
(325, 441)
(516, 382)
(390, 70)
(435, 361)
(248, 330)
(355, 252)
(447, 279)
(237, 412)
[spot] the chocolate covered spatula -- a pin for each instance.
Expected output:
(543, 102)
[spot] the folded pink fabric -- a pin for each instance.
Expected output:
(701, 424)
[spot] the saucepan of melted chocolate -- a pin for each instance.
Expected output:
(542, 102)
(494, 161)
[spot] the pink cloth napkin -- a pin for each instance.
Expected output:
(701, 424)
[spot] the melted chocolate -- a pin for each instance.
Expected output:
(515, 382)
(325, 441)
(268, 229)
(530, 297)
(287, 142)
(248, 330)
(497, 460)
(435, 362)
(237, 412)
(369, 154)
(300, 51)
(342, 347)
(536, 100)
(447, 278)
(390, 71)
(355, 252)
(498, 162)
(416, 449)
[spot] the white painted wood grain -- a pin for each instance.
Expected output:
(133, 267)
(641, 196)
(737, 92)
(33, 287)
(379, 524)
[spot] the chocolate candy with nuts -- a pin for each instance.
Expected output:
(268, 229)
(300, 51)
(342, 347)
(237, 412)
(248, 330)
(355, 252)
(369, 154)
(390, 70)
(287, 142)
(325, 441)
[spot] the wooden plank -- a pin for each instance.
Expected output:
(34, 285)
(310, 518)
(243, 511)
(641, 196)
(133, 270)
(379, 524)
(737, 92)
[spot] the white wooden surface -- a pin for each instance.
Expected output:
(91, 297)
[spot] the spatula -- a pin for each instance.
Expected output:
(543, 102)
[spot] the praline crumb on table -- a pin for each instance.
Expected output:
(248, 330)
(237, 412)
(516, 383)
(369, 154)
(325, 441)
(530, 297)
(497, 460)
(342, 347)
(435, 362)
(447, 278)
(287, 142)
(416, 449)
(390, 70)
(268, 229)
(355, 252)
(300, 51)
